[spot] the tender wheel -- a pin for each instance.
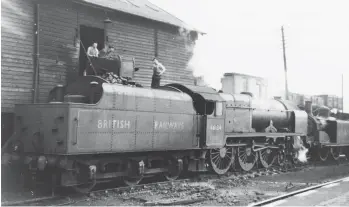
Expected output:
(135, 173)
(247, 158)
(267, 157)
(81, 174)
(174, 169)
(221, 159)
(335, 152)
(132, 181)
(323, 153)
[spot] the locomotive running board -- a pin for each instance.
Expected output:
(335, 145)
(261, 134)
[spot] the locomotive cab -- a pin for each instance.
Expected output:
(210, 110)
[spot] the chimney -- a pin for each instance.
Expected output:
(308, 107)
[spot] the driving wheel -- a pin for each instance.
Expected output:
(221, 159)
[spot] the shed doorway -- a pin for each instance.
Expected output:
(89, 35)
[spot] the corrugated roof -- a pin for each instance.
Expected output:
(142, 8)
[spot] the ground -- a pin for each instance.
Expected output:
(233, 190)
(334, 194)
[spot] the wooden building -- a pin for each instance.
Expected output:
(41, 44)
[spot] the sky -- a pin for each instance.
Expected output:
(245, 37)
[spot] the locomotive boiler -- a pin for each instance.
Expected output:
(280, 112)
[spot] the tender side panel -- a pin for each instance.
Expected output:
(42, 128)
(128, 131)
(27, 123)
(55, 119)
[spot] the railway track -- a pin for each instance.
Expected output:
(297, 192)
(63, 199)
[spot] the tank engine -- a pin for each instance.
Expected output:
(327, 135)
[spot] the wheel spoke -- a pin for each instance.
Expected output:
(215, 157)
(219, 162)
(244, 158)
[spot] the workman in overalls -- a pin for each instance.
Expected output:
(158, 70)
(92, 52)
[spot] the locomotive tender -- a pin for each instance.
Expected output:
(94, 131)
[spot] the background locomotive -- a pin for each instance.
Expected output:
(94, 131)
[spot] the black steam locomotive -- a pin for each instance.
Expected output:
(94, 130)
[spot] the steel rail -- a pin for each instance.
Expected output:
(281, 197)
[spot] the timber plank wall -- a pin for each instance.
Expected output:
(17, 48)
(59, 23)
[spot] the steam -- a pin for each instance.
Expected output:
(203, 62)
(185, 36)
(302, 154)
(301, 150)
(196, 63)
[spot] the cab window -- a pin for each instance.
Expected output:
(219, 109)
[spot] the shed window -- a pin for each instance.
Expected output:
(219, 109)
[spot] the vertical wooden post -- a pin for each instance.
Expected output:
(342, 93)
(36, 53)
(156, 52)
(285, 65)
